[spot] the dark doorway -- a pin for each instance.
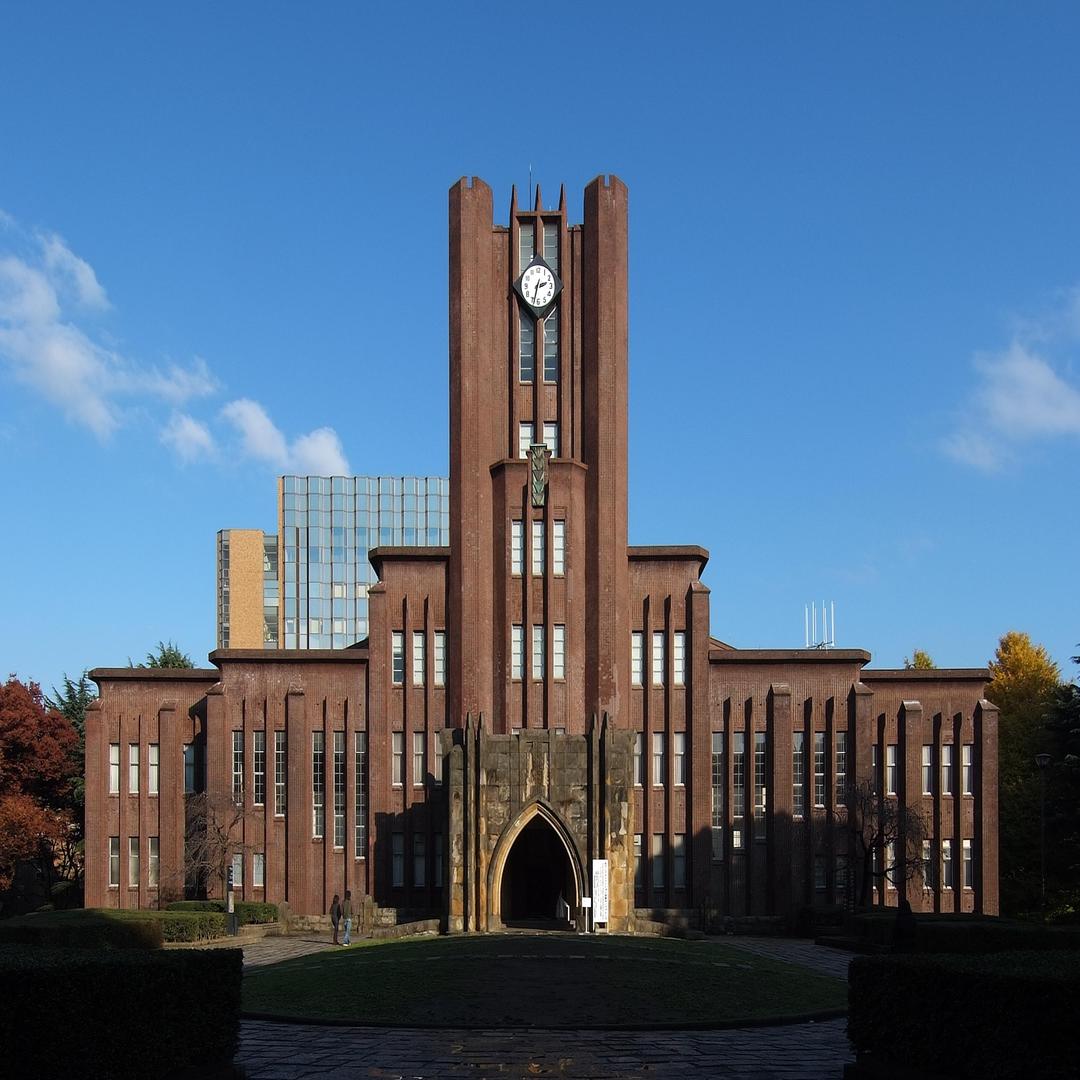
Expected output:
(538, 880)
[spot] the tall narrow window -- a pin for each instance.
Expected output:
(397, 851)
(890, 769)
(437, 869)
(819, 769)
(658, 658)
(558, 652)
(551, 245)
(361, 794)
(946, 771)
(436, 757)
(967, 767)
(418, 658)
(133, 768)
(258, 869)
(537, 652)
(551, 437)
(639, 862)
(526, 245)
(798, 774)
(114, 769)
(258, 767)
(419, 858)
(397, 765)
(189, 768)
(114, 849)
(680, 758)
(717, 779)
(821, 881)
(133, 862)
(761, 794)
(558, 548)
(678, 658)
(440, 657)
(153, 776)
(517, 651)
(339, 789)
(318, 784)
(639, 758)
(279, 773)
(517, 543)
(678, 861)
(658, 861)
(928, 769)
(947, 879)
(525, 439)
(419, 762)
(551, 350)
(637, 655)
(153, 870)
(658, 769)
(738, 778)
(969, 865)
(841, 766)
(840, 877)
(397, 657)
(538, 548)
(238, 767)
(526, 347)
(928, 864)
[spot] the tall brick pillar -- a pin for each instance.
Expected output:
(780, 799)
(910, 788)
(986, 823)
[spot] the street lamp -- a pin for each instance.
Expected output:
(1042, 760)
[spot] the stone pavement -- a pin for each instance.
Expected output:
(277, 1051)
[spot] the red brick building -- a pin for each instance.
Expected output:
(540, 696)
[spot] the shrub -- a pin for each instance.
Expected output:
(196, 905)
(187, 925)
(938, 933)
(59, 1013)
(255, 911)
(1006, 1015)
(89, 928)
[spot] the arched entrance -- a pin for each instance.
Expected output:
(536, 876)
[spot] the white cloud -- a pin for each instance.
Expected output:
(970, 448)
(318, 453)
(188, 438)
(77, 274)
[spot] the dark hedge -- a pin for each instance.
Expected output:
(83, 928)
(947, 933)
(1006, 1015)
(247, 911)
(118, 1015)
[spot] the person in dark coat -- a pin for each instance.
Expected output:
(335, 916)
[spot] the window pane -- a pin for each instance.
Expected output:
(538, 551)
(526, 347)
(658, 658)
(538, 652)
(558, 554)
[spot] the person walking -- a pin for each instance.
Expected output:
(346, 914)
(335, 916)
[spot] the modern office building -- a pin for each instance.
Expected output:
(307, 587)
(539, 721)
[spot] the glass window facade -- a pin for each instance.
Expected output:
(279, 772)
(258, 768)
(551, 348)
(819, 769)
(717, 784)
(841, 766)
(760, 779)
(361, 794)
(339, 789)
(318, 784)
(238, 766)
(551, 245)
(798, 774)
(527, 347)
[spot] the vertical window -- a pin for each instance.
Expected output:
(841, 766)
(680, 758)
(517, 543)
(639, 862)
(538, 550)
(525, 439)
(419, 860)
(438, 868)
(526, 245)
(928, 770)
(258, 767)
(678, 659)
(658, 658)
(946, 770)
(238, 871)
(440, 657)
(551, 351)
(738, 762)
(258, 870)
(189, 768)
(819, 768)
(875, 767)
(928, 864)
(840, 878)
(418, 658)
(551, 245)
(717, 779)
(114, 847)
(361, 794)
(153, 776)
(526, 347)
(798, 774)
(969, 865)
(397, 657)
(538, 652)
(238, 766)
(397, 848)
(397, 747)
(279, 773)
(947, 864)
(967, 766)
(133, 768)
(761, 794)
(419, 764)
(133, 862)
(437, 757)
(558, 652)
(890, 769)
(318, 784)
(517, 651)
(114, 769)
(678, 867)
(339, 789)
(658, 759)
(890, 865)
(639, 758)
(551, 437)
(658, 861)
(821, 882)
(637, 651)
(154, 869)
(558, 548)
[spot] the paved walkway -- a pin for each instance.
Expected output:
(795, 951)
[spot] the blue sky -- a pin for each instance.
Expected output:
(855, 294)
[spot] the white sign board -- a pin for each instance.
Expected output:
(600, 890)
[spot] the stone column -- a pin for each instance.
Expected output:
(779, 808)
(986, 822)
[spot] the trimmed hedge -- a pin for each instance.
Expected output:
(83, 929)
(973, 934)
(247, 911)
(1008, 1015)
(118, 1015)
(187, 925)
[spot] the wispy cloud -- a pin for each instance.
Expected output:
(318, 453)
(189, 439)
(1020, 395)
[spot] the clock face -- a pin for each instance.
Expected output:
(538, 286)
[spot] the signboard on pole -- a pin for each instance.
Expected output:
(600, 890)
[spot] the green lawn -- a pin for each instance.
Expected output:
(539, 981)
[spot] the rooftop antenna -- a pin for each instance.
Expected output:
(530, 180)
(827, 640)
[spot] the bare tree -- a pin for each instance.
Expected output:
(212, 831)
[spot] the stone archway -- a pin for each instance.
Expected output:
(534, 865)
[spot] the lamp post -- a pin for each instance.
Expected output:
(1042, 760)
